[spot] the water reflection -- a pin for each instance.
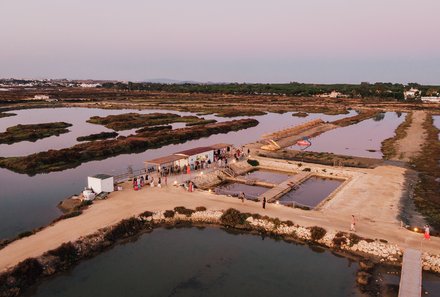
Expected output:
(363, 139)
(29, 202)
(164, 263)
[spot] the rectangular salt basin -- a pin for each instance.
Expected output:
(234, 189)
(270, 176)
(311, 192)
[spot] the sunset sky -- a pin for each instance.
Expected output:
(243, 40)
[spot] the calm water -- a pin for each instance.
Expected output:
(29, 202)
(209, 262)
(312, 191)
(251, 192)
(363, 139)
(275, 177)
(390, 276)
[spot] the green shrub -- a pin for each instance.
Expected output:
(339, 239)
(354, 239)
(27, 272)
(67, 253)
(25, 234)
(125, 228)
(146, 214)
(253, 162)
(233, 217)
(289, 223)
(168, 214)
(69, 215)
(200, 208)
(307, 169)
(182, 210)
(256, 216)
(317, 233)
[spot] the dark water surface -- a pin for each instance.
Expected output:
(250, 191)
(29, 202)
(275, 177)
(312, 191)
(209, 262)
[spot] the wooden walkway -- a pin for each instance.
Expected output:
(281, 189)
(411, 276)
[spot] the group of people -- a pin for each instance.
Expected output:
(141, 181)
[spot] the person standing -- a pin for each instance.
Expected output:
(353, 224)
(242, 197)
(427, 235)
(264, 202)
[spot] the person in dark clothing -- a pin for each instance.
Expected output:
(264, 202)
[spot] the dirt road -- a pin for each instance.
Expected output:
(373, 198)
(409, 146)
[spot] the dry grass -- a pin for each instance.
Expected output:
(427, 190)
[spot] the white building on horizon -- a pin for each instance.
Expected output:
(412, 93)
(430, 99)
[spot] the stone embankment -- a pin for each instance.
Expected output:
(18, 279)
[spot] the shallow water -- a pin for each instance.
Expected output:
(390, 278)
(250, 192)
(275, 177)
(312, 191)
(362, 140)
(209, 262)
(29, 202)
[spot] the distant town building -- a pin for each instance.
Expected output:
(430, 99)
(412, 93)
(333, 94)
(84, 85)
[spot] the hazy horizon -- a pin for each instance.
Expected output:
(314, 41)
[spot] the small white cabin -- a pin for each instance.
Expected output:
(101, 183)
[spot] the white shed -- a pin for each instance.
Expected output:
(101, 183)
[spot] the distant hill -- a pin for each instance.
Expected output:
(170, 81)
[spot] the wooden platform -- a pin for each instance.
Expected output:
(411, 276)
(275, 193)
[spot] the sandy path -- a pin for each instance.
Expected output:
(410, 146)
(373, 198)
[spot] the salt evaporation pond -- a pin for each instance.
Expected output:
(29, 202)
(233, 188)
(208, 262)
(362, 140)
(270, 176)
(311, 192)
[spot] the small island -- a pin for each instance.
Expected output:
(6, 114)
(58, 160)
(132, 120)
(300, 114)
(98, 136)
(33, 132)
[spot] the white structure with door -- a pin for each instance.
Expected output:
(101, 183)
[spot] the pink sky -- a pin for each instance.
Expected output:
(242, 40)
